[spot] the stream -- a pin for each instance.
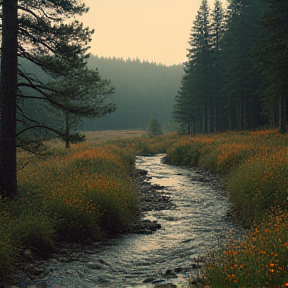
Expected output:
(196, 224)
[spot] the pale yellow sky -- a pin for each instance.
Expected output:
(153, 30)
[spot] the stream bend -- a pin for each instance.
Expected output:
(193, 227)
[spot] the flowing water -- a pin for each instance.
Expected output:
(196, 225)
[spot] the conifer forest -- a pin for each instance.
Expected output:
(236, 74)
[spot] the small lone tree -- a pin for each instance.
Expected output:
(154, 127)
(85, 94)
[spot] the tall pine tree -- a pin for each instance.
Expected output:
(273, 61)
(47, 34)
(217, 30)
(195, 91)
(8, 90)
(240, 79)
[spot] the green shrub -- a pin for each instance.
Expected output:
(154, 127)
(73, 225)
(8, 250)
(34, 231)
(185, 155)
(257, 185)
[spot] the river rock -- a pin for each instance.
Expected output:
(165, 285)
(169, 274)
(93, 266)
(35, 271)
(196, 266)
(149, 280)
(104, 263)
(193, 281)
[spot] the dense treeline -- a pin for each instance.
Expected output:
(142, 90)
(235, 77)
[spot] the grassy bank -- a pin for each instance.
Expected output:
(254, 167)
(85, 192)
(75, 195)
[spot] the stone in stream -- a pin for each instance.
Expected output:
(159, 281)
(169, 274)
(104, 263)
(149, 280)
(145, 227)
(93, 266)
(165, 285)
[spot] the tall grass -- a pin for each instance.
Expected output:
(254, 166)
(260, 260)
(79, 194)
(85, 193)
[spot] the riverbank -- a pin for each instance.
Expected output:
(252, 166)
(152, 199)
(30, 267)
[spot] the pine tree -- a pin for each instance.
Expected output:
(85, 94)
(218, 27)
(239, 76)
(184, 110)
(273, 61)
(8, 92)
(194, 97)
(154, 127)
(200, 59)
(47, 34)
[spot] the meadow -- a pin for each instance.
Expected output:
(85, 193)
(78, 195)
(254, 168)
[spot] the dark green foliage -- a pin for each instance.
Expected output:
(154, 127)
(239, 75)
(273, 60)
(85, 94)
(47, 35)
(142, 89)
(193, 102)
(34, 231)
(220, 88)
(77, 138)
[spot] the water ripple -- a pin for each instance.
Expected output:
(188, 231)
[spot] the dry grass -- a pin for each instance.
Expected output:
(92, 137)
(104, 136)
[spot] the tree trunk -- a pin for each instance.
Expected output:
(282, 114)
(8, 179)
(188, 128)
(67, 132)
(205, 118)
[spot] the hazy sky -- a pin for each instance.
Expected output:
(154, 30)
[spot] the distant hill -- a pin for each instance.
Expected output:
(142, 90)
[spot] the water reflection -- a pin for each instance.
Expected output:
(188, 231)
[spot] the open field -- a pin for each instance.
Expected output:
(104, 136)
(88, 186)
